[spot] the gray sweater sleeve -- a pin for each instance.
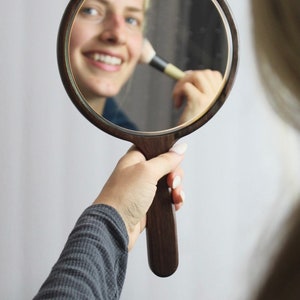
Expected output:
(93, 262)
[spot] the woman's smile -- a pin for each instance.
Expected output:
(104, 61)
(107, 59)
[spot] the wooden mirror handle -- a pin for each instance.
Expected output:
(161, 233)
(161, 229)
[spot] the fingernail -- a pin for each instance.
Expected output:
(182, 194)
(176, 182)
(179, 148)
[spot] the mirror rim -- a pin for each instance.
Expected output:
(100, 122)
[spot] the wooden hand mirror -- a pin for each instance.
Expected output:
(99, 45)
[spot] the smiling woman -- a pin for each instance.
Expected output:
(105, 47)
(106, 44)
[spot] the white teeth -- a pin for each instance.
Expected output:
(107, 59)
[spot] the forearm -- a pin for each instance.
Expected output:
(93, 262)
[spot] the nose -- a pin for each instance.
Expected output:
(114, 30)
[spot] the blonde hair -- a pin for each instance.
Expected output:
(146, 8)
(146, 4)
(276, 25)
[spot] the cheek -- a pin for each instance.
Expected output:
(75, 38)
(136, 48)
(80, 35)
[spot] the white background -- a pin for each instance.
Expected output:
(239, 171)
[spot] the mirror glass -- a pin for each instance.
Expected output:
(190, 34)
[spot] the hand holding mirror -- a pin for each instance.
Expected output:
(98, 60)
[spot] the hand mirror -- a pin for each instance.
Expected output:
(192, 35)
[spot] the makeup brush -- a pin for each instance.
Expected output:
(150, 57)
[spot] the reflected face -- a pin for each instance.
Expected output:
(105, 45)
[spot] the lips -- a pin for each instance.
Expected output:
(105, 58)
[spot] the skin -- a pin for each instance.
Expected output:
(110, 29)
(132, 186)
(196, 90)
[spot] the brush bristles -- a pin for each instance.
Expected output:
(149, 57)
(147, 53)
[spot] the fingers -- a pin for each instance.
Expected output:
(207, 81)
(178, 197)
(195, 84)
(174, 181)
(154, 169)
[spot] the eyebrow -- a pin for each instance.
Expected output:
(130, 8)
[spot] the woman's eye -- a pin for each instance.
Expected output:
(89, 11)
(132, 21)
(93, 13)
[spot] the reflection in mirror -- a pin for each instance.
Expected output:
(106, 44)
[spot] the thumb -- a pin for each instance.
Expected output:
(167, 162)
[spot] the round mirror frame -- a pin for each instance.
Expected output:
(131, 135)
